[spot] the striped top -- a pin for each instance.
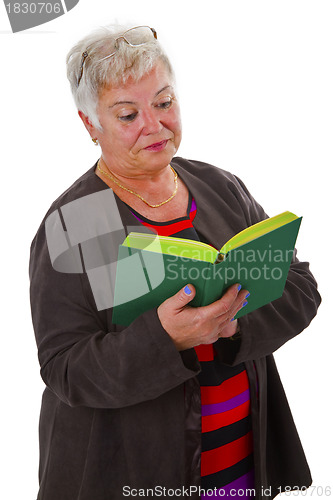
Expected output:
(227, 446)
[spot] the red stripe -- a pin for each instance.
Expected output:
(193, 214)
(170, 229)
(205, 352)
(227, 390)
(225, 456)
(218, 420)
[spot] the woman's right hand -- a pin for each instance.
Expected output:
(191, 326)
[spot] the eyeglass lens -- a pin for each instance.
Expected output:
(139, 35)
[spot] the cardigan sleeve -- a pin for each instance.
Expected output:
(265, 330)
(82, 362)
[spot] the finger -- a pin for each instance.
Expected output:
(183, 297)
(225, 319)
(240, 303)
(222, 306)
(229, 329)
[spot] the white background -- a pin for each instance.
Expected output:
(255, 81)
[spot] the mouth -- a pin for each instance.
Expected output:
(157, 146)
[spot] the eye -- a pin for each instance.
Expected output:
(127, 118)
(165, 103)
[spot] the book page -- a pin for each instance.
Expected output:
(189, 249)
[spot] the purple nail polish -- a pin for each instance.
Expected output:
(248, 295)
(187, 290)
(239, 287)
(232, 319)
(244, 304)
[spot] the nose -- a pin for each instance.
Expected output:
(151, 122)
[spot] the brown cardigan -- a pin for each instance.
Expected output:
(122, 405)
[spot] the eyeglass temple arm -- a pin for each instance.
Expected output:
(84, 57)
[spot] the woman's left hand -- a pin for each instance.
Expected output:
(191, 326)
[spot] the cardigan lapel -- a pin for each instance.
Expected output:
(209, 220)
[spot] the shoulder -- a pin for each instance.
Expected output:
(201, 169)
(215, 177)
(219, 187)
(76, 197)
(87, 184)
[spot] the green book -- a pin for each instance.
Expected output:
(151, 268)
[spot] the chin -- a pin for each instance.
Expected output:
(158, 159)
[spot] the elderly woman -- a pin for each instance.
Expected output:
(183, 398)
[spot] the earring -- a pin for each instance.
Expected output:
(95, 141)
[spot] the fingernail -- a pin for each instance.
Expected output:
(232, 319)
(244, 304)
(187, 290)
(248, 295)
(239, 287)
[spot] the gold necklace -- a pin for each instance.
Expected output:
(115, 180)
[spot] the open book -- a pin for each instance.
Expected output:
(151, 268)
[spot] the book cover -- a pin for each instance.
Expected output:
(151, 268)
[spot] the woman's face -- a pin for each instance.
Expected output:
(141, 124)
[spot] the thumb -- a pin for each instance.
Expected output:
(184, 296)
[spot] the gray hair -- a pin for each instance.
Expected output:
(128, 62)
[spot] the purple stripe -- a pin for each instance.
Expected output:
(136, 216)
(193, 205)
(226, 405)
(240, 488)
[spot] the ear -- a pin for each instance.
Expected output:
(87, 123)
